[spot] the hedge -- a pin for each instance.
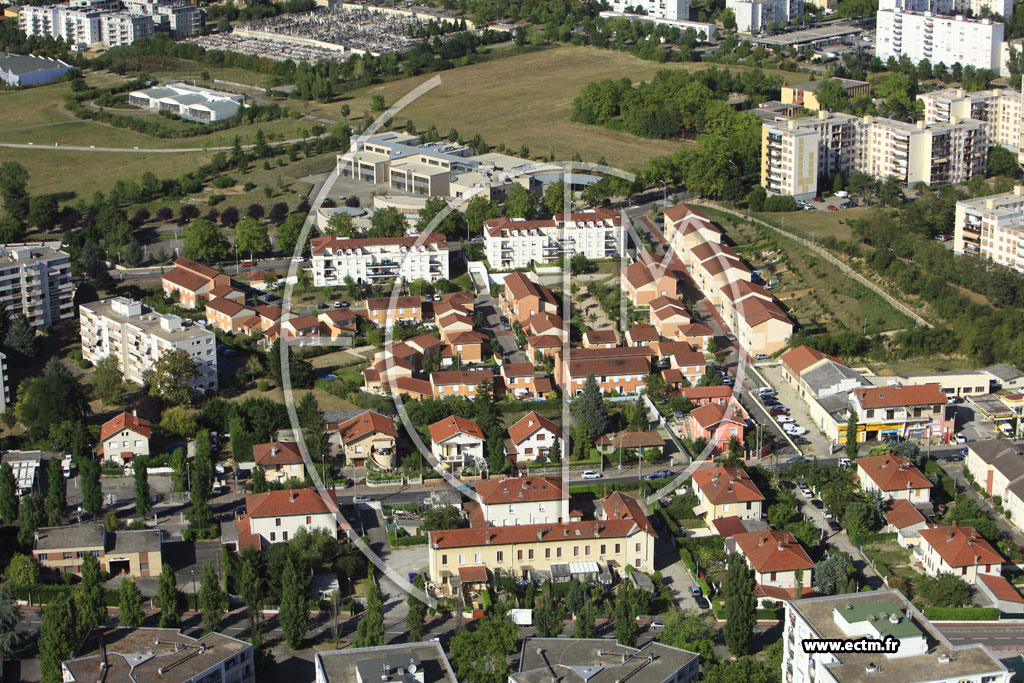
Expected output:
(869, 537)
(401, 541)
(45, 593)
(599, 488)
(962, 613)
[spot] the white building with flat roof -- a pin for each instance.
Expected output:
(138, 337)
(189, 101)
(377, 260)
(926, 35)
(35, 281)
(661, 9)
(516, 243)
(755, 16)
(992, 227)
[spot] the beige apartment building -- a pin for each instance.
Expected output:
(992, 227)
(1001, 110)
(138, 337)
(803, 94)
(376, 260)
(35, 281)
(798, 153)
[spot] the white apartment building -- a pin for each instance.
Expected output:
(5, 387)
(1000, 109)
(377, 260)
(516, 243)
(179, 18)
(924, 653)
(658, 9)
(798, 154)
(138, 337)
(102, 22)
(76, 25)
(925, 35)
(992, 227)
(35, 281)
(937, 6)
(754, 16)
(124, 28)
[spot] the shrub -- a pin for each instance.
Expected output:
(75, 354)
(84, 364)
(221, 182)
(263, 385)
(215, 199)
(962, 613)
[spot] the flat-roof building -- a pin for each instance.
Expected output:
(35, 281)
(189, 102)
(403, 663)
(949, 40)
(802, 94)
(598, 660)
(992, 227)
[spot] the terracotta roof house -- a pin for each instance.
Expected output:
(642, 335)
(228, 315)
(776, 558)
(281, 460)
(908, 411)
(648, 278)
(368, 436)
(702, 395)
(905, 520)
(717, 424)
(618, 505)
(339, 322)
(630, 442)
(893, 477)
(600, 339)
(457, 442)
(458, 382)
(726, 492)
(549, 346)
(123, 437)
(276, 516)
(958, 550)
(511, 501)
(191, 281)
(531, 438)
(524, 298)
(519, 379)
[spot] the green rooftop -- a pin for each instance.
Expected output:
(877, 614)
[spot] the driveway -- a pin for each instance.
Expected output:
(819, 446)
(676, 576)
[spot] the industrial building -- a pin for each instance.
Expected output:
(22, 70)
(189, 102)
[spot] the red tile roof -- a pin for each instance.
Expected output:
(602, 337)
(710, 414)
(468, 337)
(286, 453)
(609, 366)
(773, 551)
(644, 439)
(780, 593)
(246, 538)
(539, 323)
(902, 514)
(681, 211)
(288, 502)
(474, 574)
(124, 421)
(385, 303)
(708, 393)
(643, 333)
(897, 396)
(893, 473)
(740, 289)
(530, 424)
(411, 386)
(960, 546)
(452, 425)
(803, 357)
(465, 377)
(643, 271)
(726, 485)
(1001, 588)
(197, 267)
(368, 422)
(185, 279)
(517, 370)
(545, 341)
(521, 286)
(621, 506)
(228, 307)
(729, 526)
(524, 533)
(521, 490)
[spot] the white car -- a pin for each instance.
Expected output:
(591, 474)
(795, 430)
(783, 419)
(960, 438)
(362, 499)
(826, 514)
(806, 493)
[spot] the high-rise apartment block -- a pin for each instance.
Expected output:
(656, 9)
(992, 227)
(914, 650)
(1002, 111)
(138, 337)
(799, 153)
(35, 281)
(102, 22)
(949, 40)
(754, 16)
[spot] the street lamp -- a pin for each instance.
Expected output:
(195, 596)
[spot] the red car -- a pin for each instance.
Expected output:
(246, 264)
(832, 208)
(818, 199)
(778, 410)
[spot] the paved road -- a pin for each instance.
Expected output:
(136, 150)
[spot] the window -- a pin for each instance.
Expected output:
(277, 521)
(273, 536)
(476, 558)
(602, 549)
(42, 557)
(68, 556)
(547, 553)
(638, 547)
(586, 550)
(558, 552)
(529, 554)
(575, 551)
(501, 556)
(462, 559)
(284, 535)
(617, 549)
(144, 566)
(773, 576)
(309, 519)
(444, 559)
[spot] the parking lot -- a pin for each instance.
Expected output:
(813, 443)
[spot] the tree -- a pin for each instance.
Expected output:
(30, 517)
(377, 103)
(229, 217)
(8, 494)
(417, 614)
(743, 670)
(259, 479)
(443, 517)
(340, 225)
(288, 234)
(449, 225)
(14, 189)
(832, 575)
(171, 377)
(294, 614)
(481, 656)
(626, 629)
(211, 598)
(585, 627)
(478, 210)
(22, 570)
(520, 203)
(89, 603)
(21, 337)
(740, 606)
(129, 603)
(167, 594)
(251, 237)
(143, 502)
(590, 408)
(371, 626)
(831, 95)
(345, 110)
(756, 197)
(89, 480)
(107, 380)
(199, 516)
(688, 630)
(50, 399)
(11, 632)
(387, 222)
(56, 492)
(1002, 161)
(203, 242)
(944, 590)
(58, 637)
(548, 614)
(554, 198)
(250, 584)
(851, 429)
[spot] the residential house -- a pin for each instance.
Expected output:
(470, 347)
(642, 335)
(228, 315)
(300, 331)
(411, 388)
(190, 282)
(451, 323)
(668, 315)
(546, 324)
(511, 501)
(458, 382)
(339, 322)
(123, 437)
(600, 339)
(726, 492)
(697, 335)
(276, 516)
(681, 216)
(904, 520)
(782, 568)
(618, 505)
(386, 311)
(630, 444)
(367, 436)
(227, 292)
(623, 376)
(133, 553)
(647, 279)
(699, 396)
(762, 327)
(912, 412)
(548, 345)
(893, 477)
(457, 443)
(519, 380)
(716, 424)
(736, 292)
(994, 464)
(531, 438)
(958, 550)
(683, 357)
(281, 460)
(523, 298)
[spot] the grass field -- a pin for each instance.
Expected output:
(819, 224)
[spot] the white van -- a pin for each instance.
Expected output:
(1006, 428)
(844, 462)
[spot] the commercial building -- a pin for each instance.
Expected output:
(578, 660)
(403, 663)
(378, 260)
(138, 338)
(949, 40)
(517, 243)
(1001, 109)
(189, 102)
(19, 70)
(35, 281)
(132, 553)
(912, 412)
(659, 9)
(992, 227)
(924, 653)
(754, 16)
(802, 94)
(113, 653)
(799, 154)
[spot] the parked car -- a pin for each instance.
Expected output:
(818, 199)
(788, 484)
(778, 410)
(730, 336)
(960, 438)
(695, 591)
(783, 419)
(940, 238)
(806, 493)
(762, 356)
(657, 624)
(362, 499)
(832, 208)
(337, 304)
(795, 430)
(817, 503)
(766, 391)
(826, 514)
(591, 474)
(834, 525)
(798, 458)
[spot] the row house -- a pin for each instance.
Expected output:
(904, 520)
(781, 566)
(191, 282)
(726, 492)
(893, 477)
(734, 293)
(453, 322)
(682, 216)
(303, 330)
(762, 327)
(280, 460)
(518, 243)
(698, 396)
(641, 335)
(715, 267)
(689, 362)
(470, 346)
(276, 516)
(124, 437)
(522, 298)
(628, 444)
(458, 382)
(600, 339)
(911, 412)
(542, 347)
(511, 501)
(623, 376)
(228, 315)
(379, 260)
(668, 315)
(385, 311)
(338, 322)
(410, 387)
(647, 278)
(546, 324)
(531, 438)
(457, 443)
(717, 425)
(519, 380)
(368, 436)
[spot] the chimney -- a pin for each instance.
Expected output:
(273, 451)
(760, 541)
(294, 496)
(540, 534)
(781, 547)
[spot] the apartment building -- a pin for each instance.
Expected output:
(571, 659)
(511, 501)
(912, 412)
(132, 553)
(802, 94)
(5, 386)
(924, 653)
(276, 516)
(656, 9)
(893, 477)
(78, 26)
(1001, 109)
(398, 663)
(755, 16)
(998, 467)
(35, 281)
(949, 40)
(457, 442)
(379, 260)
(164, 654)
(124, 28)
(726, 492)
(992, 227)
(782, 568)
(517, 243)
(799, 154)
(138, 337)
